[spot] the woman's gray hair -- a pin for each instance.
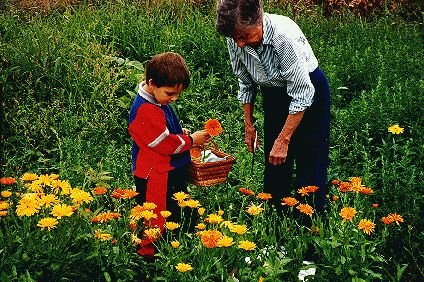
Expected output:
(233, 15)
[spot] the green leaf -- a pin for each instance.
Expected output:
(136, 64)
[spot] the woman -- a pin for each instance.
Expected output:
(270, 51)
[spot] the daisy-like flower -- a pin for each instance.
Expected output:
(303, 191)
(394, 217)
(49, 200)
(180, 196)
(366, 225)
(312, 188)
(183, 267)
(246, 191)
(335, 198)
(289, 201)
(106, 216)
(148, 215)
(135, 240)
(48, 223)
(210, 238)
(225, 242)
(3, 213)
(264, 196)
(254, 210)
(335, 181)
(165, 214)
(132, 225)
(220, 212)
(195, 152)
(6, 194)
(395, 129)
(7, 180)
(27, 206)
(386, 220)
(136, 211)
(79, 196)
(201, 226)
(152, 233)
(29, 176)
(175, 244)
(247, 245)
(347, 213)
(375, 206)
(102, 236)
(191, 203)
(61, 210)
(306, 209)
(213, 127)
(214, 218)
(344, 187)
(99, 190)
(35, 187)
(201, 211)
(149, 206)
(172, 225)
(238, 229)
(366, 191)
(4, 205)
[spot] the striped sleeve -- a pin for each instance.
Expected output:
(247, 86)
(295, 70)
(149, 129)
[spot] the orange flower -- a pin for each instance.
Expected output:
(264, 196)
(7, 180)
(246, 191)
(335, 181)
(386, 220)
(335, 198)
(306, 209)
(195, 152)
(312, 189)
(213, 127)
(303, 191)
(366, 225)
(124, 194)
(289, 201)
(375, 206)
(99, 190)
(394, 217)
(347, 213)
(344, 187)
(366, 191)
(254, 210)
(210, 238)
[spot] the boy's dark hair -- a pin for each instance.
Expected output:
(232, 15)
(168, 69)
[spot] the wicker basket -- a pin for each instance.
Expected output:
(211, 173)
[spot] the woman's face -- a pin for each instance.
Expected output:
(249, 36)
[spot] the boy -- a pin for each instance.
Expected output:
(160, 152)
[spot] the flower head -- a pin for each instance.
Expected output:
(246, 191)
(238, 229)
(306, 209)
(152, 233)
(48, 223)
(201, 226)
(213, 127)
(201, 211)
(347, 213)
(289, 201)
(102, 236)
(29, 176)
(394, 217)
(214, 218)
(7, 180)
(210, 238)
(172, 225)
(253, 209)
(180, 196)
(247, 245)
(61, 210)
(48, 200)
(225, 241)
(99, 190)
(395, 129)
(79, 196)
(6, 194)
(183, 267)
(165, 214)
(175, 244)
(264, 196)
(366, 225)
(27, 206)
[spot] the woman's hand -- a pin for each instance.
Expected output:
(201, 137)
(250, 136)
(278, 152)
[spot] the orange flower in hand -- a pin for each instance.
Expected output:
(213, 127)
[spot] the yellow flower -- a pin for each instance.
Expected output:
(394, 217)
(27, 206)
(303, 191)
(29, 176)
(48, 200)
(201, 211)
(102, 236)
(239, 229)
(149, 206)
(148, 215)
(6, 194)
(45, 180)
(3, 213)
(4, 205)
(165, 214)
(395, 129)
(180, 196)
(136, 212)
(175, 244)
(135, 240)
(347, 213)
(78, 196)
(220, 212)
(366, 225)
(192, 203)
(35, 187)
(183, 267)
(264, 196)
(247, 245)
(214, 218)
(224, 241)
(172, 225)
(201, 226)
(254, 210)
(48, 223)
(261, 279)
(61, 210)
(152, 233)
(306, 209)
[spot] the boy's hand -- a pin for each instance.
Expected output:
(201, 137)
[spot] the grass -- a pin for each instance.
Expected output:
(67, 81)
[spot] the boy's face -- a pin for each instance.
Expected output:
(166, 94)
